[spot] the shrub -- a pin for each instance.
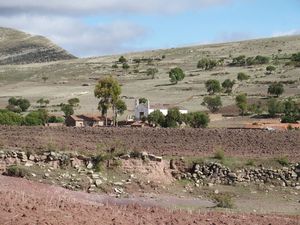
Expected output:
(10, 118)
(219, 154)
(173, 118)
(223, 201)
(213, 103)
(284, 161)
(125, 66)
(36, 118)
(227, 85)
(197, 119)
(16, 171)
(276, 89)
(242, 76)
(241, 102)
(156, 118)
(250, 162)
(122, 59)
(207, 64)
(213, 86)
(176, 74)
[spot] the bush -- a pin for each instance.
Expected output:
(36, 118)
(156, 118)
(283, 161)
(242, 76)
(54, 119)
(276, 89)
(20, 104)
(176, 74)
(10, 118)
(213, 103)
(223, 201)
(122, 59)
(16, 171)
(173, 118)
(219, 154)
(274, 107)
(207, 64)
(241, 102)
(197, 119)
(227, 85)
(213, 86)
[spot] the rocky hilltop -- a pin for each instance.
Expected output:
(17, 47)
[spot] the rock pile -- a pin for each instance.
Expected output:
(216, 173)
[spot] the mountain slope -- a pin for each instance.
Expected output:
(17, 47)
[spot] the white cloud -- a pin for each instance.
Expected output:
(233, 36)
(286, 33)
(103, 6)
(79, 38)
(62, 21)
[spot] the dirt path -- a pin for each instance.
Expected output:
(24, 202)
(182, 142)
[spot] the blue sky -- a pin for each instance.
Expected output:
(91, 27)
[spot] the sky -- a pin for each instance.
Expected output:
(89, 28)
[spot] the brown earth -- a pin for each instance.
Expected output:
(167, 142)
(25, 202)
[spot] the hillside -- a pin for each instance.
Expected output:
(77, 77)
(17, 47)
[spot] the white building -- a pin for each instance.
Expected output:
(143, 110)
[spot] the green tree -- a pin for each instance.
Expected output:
(270, 69)
(24, 104)
(212, 103)
(156, 118)
(12, 101)
(10, 118)
(20, 104)
(36, 118)
(143, 100)
(291, 111)
(151, 72)
(44, 78)
(276, 89)
(213, 86)
(228, 85)
(176, 74)
(122, 59)
(67, 109)
(74, 102)
(173, 118)
(239, 61)
(121, 107)
(242, 76)
(197, 119)
(43, 102)
(241, 102)
(274, 107)
(125, 66)
(296, 57)
(108, 91)
(206, 64)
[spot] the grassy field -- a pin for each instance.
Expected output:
(66, 78)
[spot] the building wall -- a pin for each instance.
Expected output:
(79, 124)
(141, 108)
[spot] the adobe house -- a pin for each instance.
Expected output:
(74, 121)
(91, 121)
(144, 109)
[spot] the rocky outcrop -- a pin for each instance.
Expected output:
(17, 47)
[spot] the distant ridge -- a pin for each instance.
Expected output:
(17, 47)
